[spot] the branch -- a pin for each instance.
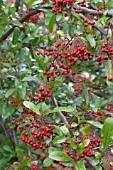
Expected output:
(63, 118)
(14, 134)
(5, 35)
(94, 12)
(6, 134)
(90, 162)
(17, 4)
(95, 25)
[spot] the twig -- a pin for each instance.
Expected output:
(17, 4)
(63, 118)
(5, 35)
(94, 12)
(14, 134)
(90, 162)
(6, 134)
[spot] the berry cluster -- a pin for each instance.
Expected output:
(43, 93)
(34, 167)
(60, 5)
(66, 55)
(34, 18)
(36, 135)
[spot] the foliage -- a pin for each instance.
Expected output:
(56, 79)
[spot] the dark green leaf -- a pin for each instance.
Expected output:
(91, 40)
(51, 23)
(107, 132)
(16, 34)
(60, 156)
(85, 95)
(47, 162)
(9, 92)
(80, 166)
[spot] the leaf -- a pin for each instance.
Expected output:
(4, 161)
(96, 124)
(39, 152)
(9, 93)
(47, 162)
(85, 130)
(16, 34)
(20, 153)
(31, 2)
(85, 95)
(31, 106)
(60, 139)
(106, 102)
(8, 111)
(91, 40)
(30, 78)
(7, 148)
(80, 166)
(16, 23)
(61, 33)
(66, 109)
(107, 132)
(51, 23)
(60, 156)
(82, 146)
(65, 130)
(58, 16)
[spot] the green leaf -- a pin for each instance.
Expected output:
(96, 124)
(31, 106)
(80, 166)
(65, 130)
(31, 2)
(60, 156)
(39, 152)
(85, 130)
(59, 16)
(8, 111)
(91, 40)
(47, 162)
(30, 78)
(60, 139)
(4, 161)
(7, 148)
(66, 109)
(16, 23)
(20, 153)
(85, 95)
(9, 92)
(82, 146)
(51, 23)
(16, 34)
(107, 132)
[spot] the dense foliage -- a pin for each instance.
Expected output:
(56, 84)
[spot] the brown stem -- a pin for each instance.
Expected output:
(6, 134)
(90, 162)
(94, 12)
(63, 118)
(17, 4)
(14, 134)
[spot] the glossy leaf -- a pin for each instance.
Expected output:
(60, 156)
(107, 132)
(47, 162)
(31, 106)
